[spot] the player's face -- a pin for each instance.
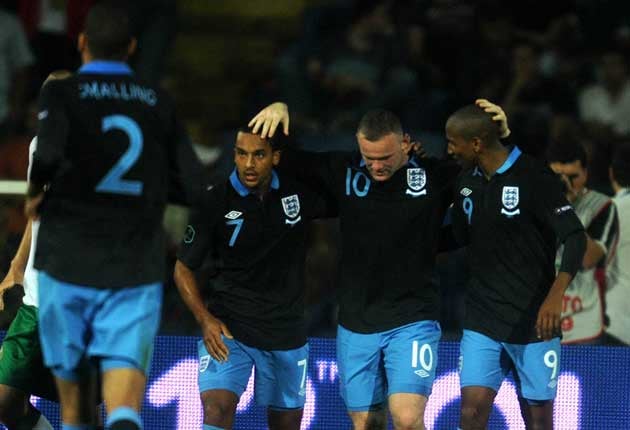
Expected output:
(573, 174)
(383, 157)
(461, 149)
(254, 159)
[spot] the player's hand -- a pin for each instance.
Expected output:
(548, 321)
(12, 278)
(415, 147)
(212, 329)
(31, 205)
(498, 115)
(267, 120)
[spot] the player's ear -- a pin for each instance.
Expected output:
(406, 143)
(131, 48)
(476, 143)
(275, 157)
(82, 42)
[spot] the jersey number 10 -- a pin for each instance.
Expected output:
(113, 182)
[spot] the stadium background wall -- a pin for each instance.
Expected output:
(592, 391)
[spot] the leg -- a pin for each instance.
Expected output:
(362, 378)
(124, 328)
(22, 373)
(222, 384)
(407, 411)
(476, 407)
(219, 408)
(281, 382)
(484, 364)
(284, 420)
(70, 401)
(537, 415)
(410, 357)
(374, 419)
(536, 371)
(64, 311)
(123, 392)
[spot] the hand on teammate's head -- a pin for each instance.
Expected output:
(498, 115)
(267, 120)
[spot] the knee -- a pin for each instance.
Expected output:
(373, 420)
(407, 419)
(472, 418)
(216, 413)
(538, 424)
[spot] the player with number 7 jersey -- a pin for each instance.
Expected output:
(253, 233)
(110, 154)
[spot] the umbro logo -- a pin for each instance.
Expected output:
(465, 192)
(233, 214)
(422, 373)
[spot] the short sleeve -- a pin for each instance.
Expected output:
(552, 207)
(199, 235)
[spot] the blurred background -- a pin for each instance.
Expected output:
(559, 69)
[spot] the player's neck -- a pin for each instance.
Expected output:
(492, 159)
(262, 189)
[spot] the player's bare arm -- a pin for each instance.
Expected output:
(548, 321)
(594, 253)
(212, 328)
(549, 315)
(267, 120)
(15, 274)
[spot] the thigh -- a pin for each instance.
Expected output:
(125, 326)
(536, 367)
(361, 372)
(231, 375)
(64, 323)
(483, 361)
(410, 357)
(21, 362)
(281, 378)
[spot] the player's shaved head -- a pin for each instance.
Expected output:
(378, 123)
(471, 122)
(108, 30)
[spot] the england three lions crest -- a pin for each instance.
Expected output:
(416, 181)
(291, 207)
(510, 198)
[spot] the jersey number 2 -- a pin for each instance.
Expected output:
(113, 182)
